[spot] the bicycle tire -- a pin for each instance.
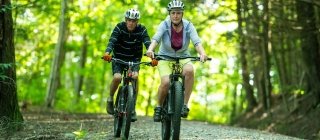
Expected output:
(127, 116)
(117, 123)
(165, 121)
(177, 105)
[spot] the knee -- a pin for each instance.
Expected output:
(188, 70)
(135, 75)
(164, 83)
(117, 77)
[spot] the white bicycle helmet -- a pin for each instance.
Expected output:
(175, 4)
(132, 14)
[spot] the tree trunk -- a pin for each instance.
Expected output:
(317, 20)
(150, 91)
(311, 50)
(279, 53)
(266, 55)
(256, 29)
(244, 66)
(79, 80)
(9, 108)
(234, 105)
(53, 81)
(103, 91)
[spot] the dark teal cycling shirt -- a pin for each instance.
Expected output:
(127, 45)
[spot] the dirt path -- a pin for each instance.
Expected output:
(100, 126)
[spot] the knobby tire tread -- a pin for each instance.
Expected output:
(129, 109)
(117, 117)
(165, 122)
(178, 103)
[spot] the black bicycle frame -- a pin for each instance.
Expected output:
(173, 102)
(126, 99)
(175, 76)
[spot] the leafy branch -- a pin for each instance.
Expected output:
(4, 66)
(3, 77)
(5, 8)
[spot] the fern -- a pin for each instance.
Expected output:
(3, 67)
(5, 8)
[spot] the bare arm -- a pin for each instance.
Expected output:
(202, 53)
(150, 51)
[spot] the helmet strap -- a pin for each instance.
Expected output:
(176, 24)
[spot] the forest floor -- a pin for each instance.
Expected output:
(297, 118)
(279, 123)
(69, 126)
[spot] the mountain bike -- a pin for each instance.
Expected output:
(173, 103)
(125, 99)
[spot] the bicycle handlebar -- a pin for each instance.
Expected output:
(167, 57)
(128, 63)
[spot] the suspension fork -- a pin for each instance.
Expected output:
(173, 78)
(135, 91)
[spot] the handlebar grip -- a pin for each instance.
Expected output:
(209, 58)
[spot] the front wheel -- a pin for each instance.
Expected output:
(129, 110)
(117, 123)
(177, 106)
(165, 121)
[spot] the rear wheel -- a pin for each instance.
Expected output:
(117, 123)
(177, 105)
(127, 115)
(165, 121)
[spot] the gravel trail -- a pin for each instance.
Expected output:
(45, 126)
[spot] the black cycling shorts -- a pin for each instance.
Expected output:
(119, 68)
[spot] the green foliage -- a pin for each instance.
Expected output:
(36, 35)
(80, 134)
(5, 8)
(3, 67)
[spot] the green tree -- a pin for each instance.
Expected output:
(9, 110)
(54, 79)
(308, 17)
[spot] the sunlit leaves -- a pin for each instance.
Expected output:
(36, 35)
(80, 134)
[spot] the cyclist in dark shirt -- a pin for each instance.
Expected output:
(126, 43)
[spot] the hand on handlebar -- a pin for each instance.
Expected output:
(150, 54)
(107, 57)
(154, 62)
(203, 58)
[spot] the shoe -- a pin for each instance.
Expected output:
(157, 114)
(184, 111)
(133, 116)
(110, 108)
